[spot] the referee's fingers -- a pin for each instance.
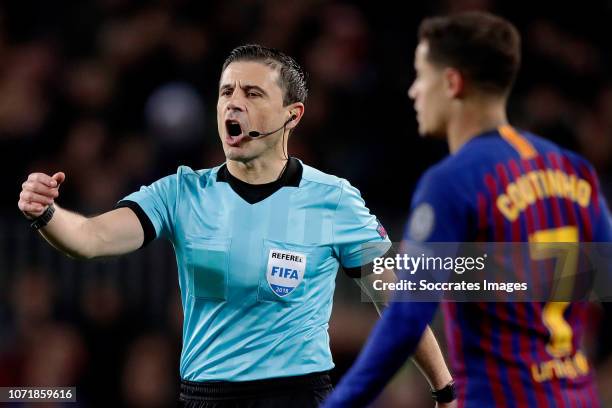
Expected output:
(35, 198)
(31, 209)
(40, 188)
(42, 178)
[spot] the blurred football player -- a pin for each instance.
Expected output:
(498, 184)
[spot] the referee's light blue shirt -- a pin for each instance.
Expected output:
(257, 280)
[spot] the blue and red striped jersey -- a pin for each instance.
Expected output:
(504, 185)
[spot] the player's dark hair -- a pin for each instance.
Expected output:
(483, 47)
(290, 75)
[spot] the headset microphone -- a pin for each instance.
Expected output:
(254, 133)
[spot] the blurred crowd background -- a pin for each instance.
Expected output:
(117, 93)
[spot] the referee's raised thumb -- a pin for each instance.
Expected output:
(59, 178)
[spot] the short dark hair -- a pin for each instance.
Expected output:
(483, 47)
(290, 75)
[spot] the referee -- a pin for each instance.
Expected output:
(258, 242)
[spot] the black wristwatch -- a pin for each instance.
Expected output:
(446, 394)
(44, 218)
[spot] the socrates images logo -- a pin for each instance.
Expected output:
(285, 271)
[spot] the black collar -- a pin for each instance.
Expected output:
(254, 193)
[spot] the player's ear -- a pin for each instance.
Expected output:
(454, 82)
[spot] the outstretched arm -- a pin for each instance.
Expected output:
(113, 233)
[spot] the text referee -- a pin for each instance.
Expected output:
(258, 242)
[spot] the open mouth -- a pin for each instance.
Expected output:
(233, 128)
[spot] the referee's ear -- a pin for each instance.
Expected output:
(296, 111)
